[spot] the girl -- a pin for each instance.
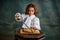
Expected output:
(30, 17)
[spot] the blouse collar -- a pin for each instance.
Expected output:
(32, 16)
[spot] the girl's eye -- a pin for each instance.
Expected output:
(32, 10)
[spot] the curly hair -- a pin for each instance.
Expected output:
(33, 6)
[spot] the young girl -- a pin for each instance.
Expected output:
(30, 17)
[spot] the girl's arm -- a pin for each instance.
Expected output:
(36, 24)
(20, 17)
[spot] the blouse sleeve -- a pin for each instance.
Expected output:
(37, 23)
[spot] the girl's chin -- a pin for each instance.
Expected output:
(31, 14)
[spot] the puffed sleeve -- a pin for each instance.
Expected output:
(37, 23)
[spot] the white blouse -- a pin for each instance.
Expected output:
(31, 20)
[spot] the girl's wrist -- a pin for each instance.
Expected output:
(33, 27)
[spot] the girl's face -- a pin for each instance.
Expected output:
(31, 11)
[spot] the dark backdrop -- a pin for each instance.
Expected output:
(49, 14)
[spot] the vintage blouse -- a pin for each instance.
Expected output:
(29, 21)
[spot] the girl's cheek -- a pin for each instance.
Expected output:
(31, 12)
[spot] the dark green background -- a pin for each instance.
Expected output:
(49, 14)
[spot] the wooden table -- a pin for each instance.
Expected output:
(19, 36)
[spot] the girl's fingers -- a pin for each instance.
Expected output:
(33, 27)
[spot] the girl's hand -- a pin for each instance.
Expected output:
(17, 16)
(33, 27)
